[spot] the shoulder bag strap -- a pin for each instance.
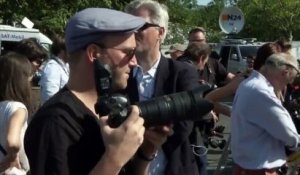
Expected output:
(3, 150)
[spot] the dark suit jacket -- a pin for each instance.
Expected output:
(173, 76)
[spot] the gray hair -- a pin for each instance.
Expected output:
(280, 61)
(158, 12)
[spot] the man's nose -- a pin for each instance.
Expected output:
(133, 61)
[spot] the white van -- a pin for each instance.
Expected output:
(9, 36)
(296, 49)
(234, 53)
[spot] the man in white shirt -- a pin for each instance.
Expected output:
(260, 126)
(55, 73)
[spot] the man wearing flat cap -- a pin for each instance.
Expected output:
(66, 135)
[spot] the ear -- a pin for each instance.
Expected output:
(204, 57)
(285, 72)
(161, 33)
(92, 52)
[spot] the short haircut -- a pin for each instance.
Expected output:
(32, 49)
(158, 12)
(195, 50)
(284, 45)
(267, 50)
(196, 30)
(280, 61)
(58, 45)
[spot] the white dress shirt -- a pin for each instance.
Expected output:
(146, 82)
(260, 126)
(54, 76)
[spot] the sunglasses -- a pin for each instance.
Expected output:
(147, 25)
(129, 52)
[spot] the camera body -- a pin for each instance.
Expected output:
(186, 105)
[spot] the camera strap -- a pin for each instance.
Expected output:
(211, 73)
(3, 150)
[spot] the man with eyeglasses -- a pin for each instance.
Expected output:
(211, 72)
(67, 136)
(156, 76)
(197, 34)
(262, 127)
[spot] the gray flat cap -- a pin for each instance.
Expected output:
(92, 24)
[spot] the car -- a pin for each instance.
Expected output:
(234, 53)
(11, 35)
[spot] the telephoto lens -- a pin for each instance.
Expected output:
(186, 105)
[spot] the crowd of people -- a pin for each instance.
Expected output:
(66, 135)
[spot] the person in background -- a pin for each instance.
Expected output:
(156, 76)
(250, 62)
(35, 53)
(198, 55)
(213, 71)
(217, 95)
(176, 50)
(261, 126)
(197, 35)
(55, 72)
(15, 88)
(66, 135)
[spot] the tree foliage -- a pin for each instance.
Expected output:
(183, 15)
(272, 19)
(48, 16)
(265, 19)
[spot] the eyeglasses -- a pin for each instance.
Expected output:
(147, 25)
(129, 52)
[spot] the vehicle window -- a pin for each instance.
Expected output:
(7, 46)
(247, 51)
(224, 53)
(46, 46)
(234, 54)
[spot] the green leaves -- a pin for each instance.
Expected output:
(265, 19)
(48, 16)
(271, 19)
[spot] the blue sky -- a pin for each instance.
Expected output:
(203, 2)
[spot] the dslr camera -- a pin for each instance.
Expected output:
(186, 105)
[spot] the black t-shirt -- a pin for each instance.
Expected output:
(63, 137)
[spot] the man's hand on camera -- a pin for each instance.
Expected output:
(154, 138)
(121, 143)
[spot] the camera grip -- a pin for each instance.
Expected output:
(115, 106)
(115, 119)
